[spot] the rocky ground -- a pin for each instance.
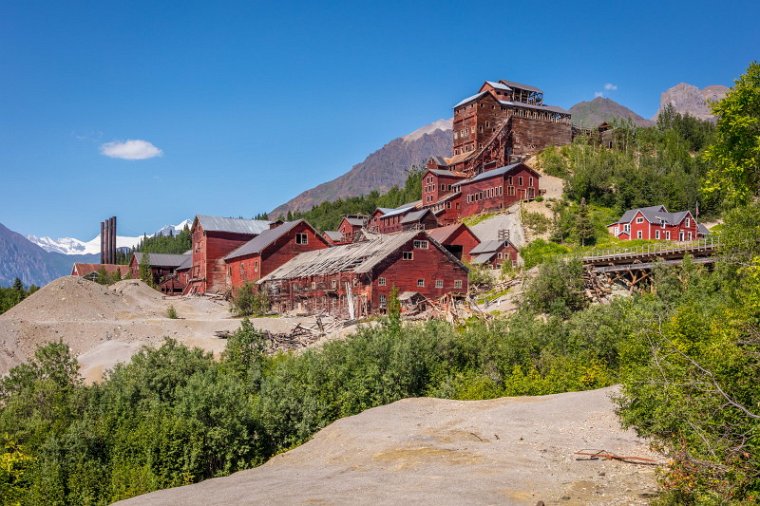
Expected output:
(105, 325)
(431, 451)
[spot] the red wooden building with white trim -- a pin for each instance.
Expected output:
(655, 223)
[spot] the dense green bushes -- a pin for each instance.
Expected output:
(11, 296)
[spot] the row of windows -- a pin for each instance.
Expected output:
(486, 194)
(420, 284)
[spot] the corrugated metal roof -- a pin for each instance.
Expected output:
(703, 229)
(334, 235)
(653, 214)
(499, 86)
(447, 173)
(514, 84)
(488, 247)
(442, 234)
(400, 209)
(360, 257)
(482, 258)
(470, 99)
(261, 241)
(186, 264)
(493, 173)
(355, 221)
(162, 259)
(414, 216)
(233, 225)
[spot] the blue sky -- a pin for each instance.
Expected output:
(251, 103)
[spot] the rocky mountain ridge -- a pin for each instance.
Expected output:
(589, 114)
(688, 99)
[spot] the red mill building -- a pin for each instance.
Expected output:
(502, 124)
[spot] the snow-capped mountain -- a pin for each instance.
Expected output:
(174, 229)
(73, 246)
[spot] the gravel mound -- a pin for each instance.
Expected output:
(430, 451)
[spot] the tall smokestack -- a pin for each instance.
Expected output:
(102, 242)
(113, 240)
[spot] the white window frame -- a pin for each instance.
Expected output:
(421, 283)
(639, 220)
(381, 281)
(407, 255)
(302, 238)
(439, 283)
(457, 283)
(420, 244)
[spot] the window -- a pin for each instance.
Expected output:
(302, 239)
(500, 256)
(509, 180)
(530, 181)
(421, 244)
(639, 220)
(638, 234)
(381, 281)
(421, 283)
(690, 236)
(382, 300)
(256, 266)
(627, 227)
(439, 283)
(667, 235)
(688, 222)
(408, 255)
(656, 234)
(458, 283)
(334, 284)
(520, 181)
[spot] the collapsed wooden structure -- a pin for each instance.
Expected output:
(356, 280)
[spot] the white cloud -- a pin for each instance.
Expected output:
(131, 149)
(610, 87)
(598, 94)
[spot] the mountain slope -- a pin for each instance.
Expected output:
(592, 113)
(688, 99)
(20, 258)
(73, 246)
(381, 170)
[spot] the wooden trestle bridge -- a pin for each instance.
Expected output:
(634, 265)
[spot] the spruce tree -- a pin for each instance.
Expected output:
(583, 226)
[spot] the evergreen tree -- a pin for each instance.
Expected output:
(146, 274)
(584, 229)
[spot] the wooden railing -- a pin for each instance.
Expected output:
(707, 245)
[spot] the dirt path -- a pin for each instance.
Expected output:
(431, 451)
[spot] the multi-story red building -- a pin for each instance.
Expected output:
(656, 223)
(356, 280)
(494, 253)
(502, 123)
(269, 250)
(213, 238)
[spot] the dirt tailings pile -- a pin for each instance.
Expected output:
(72, 298)
(517, 450)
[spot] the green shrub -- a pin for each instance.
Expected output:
(248, 301)
(540, 251)
(171, 312)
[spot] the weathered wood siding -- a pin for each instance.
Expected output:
(499, 192)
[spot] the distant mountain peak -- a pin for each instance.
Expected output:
(592, 113)
(73, 246)
(386, 167)
(689, 99)
(441, 124)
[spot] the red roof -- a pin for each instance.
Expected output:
(83, 270)
(442, 234)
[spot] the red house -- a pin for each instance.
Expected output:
(494, 253)
(655, 223)
(162, 267)
(269, 250)
(436, 183)
(497, 189)
(386, 221)
(213, 239)
(356, 280)
(91, 271)
(457, 238)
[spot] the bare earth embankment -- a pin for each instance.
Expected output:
(105, 325)
(432, 451)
